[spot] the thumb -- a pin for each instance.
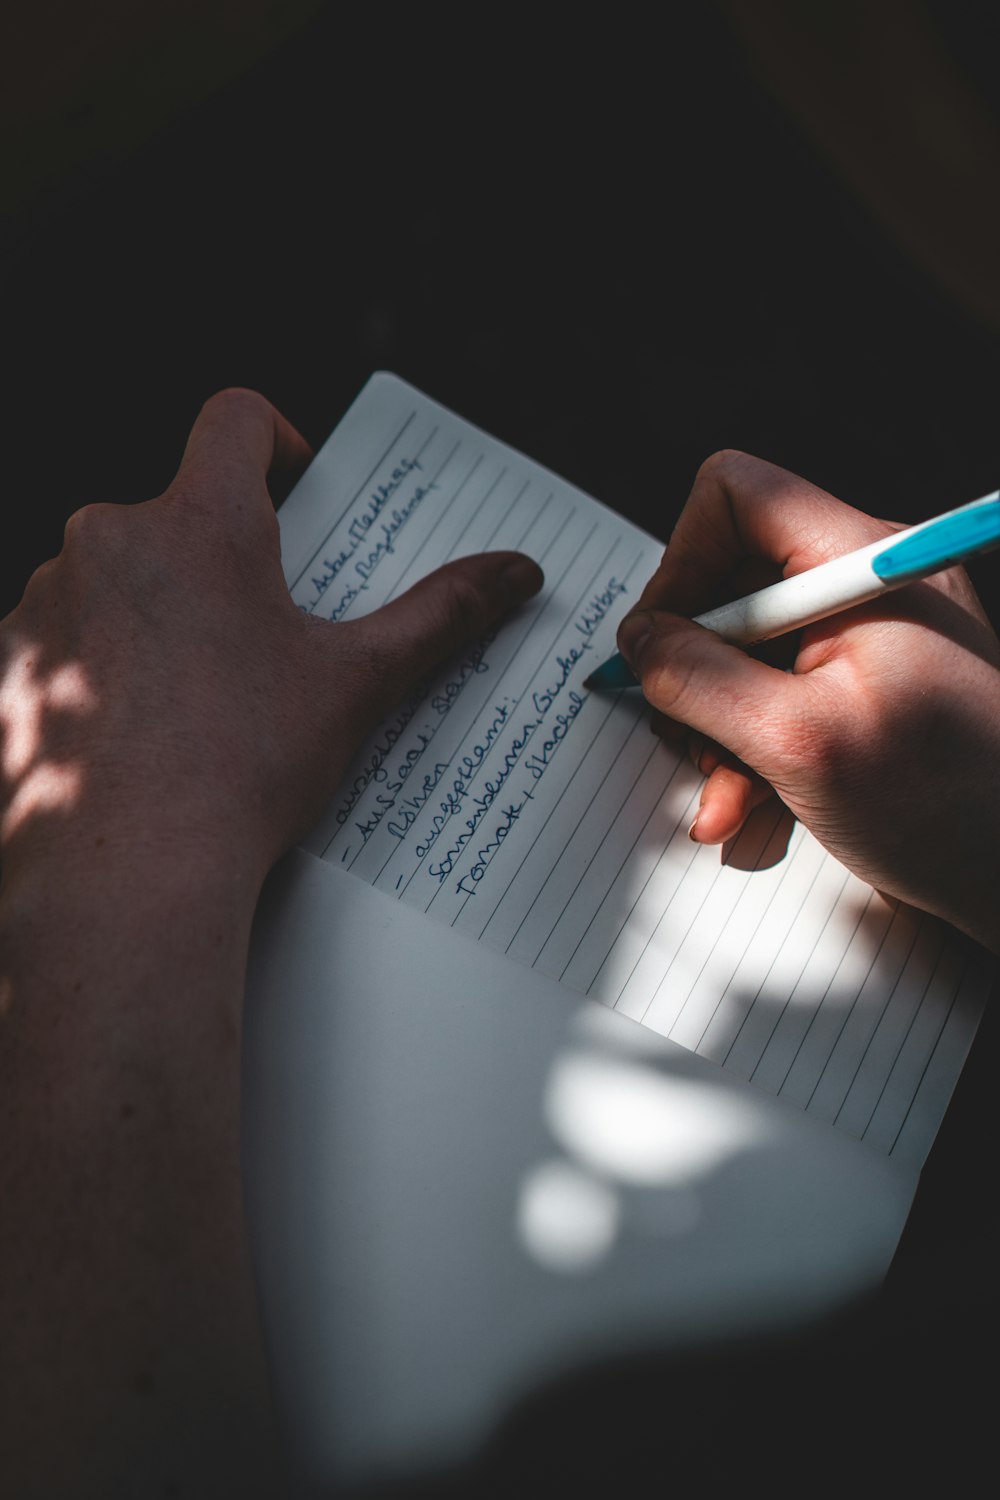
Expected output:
(693, 676)
(389, 651)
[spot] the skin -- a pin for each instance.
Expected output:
(171, 724)
(879, 728)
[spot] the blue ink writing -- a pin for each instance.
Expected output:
(359, 527)
(598, 607)
(478, 869)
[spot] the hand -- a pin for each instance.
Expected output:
(161, 691)
(170, 723)
(881, 734)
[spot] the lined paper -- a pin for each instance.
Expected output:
(505, 801)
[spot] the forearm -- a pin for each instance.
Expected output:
(130, 1330)
(170, 722)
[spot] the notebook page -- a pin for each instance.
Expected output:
(505, 801)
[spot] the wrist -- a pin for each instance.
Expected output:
(121, 919)
(113, 846)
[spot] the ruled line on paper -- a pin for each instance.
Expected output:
(447, 557)
(559, 845)
(631, 924)
(611, 826)
(682, 1027)
(507, 662)
(780, 1049)
(377, 464)
(940, 1022)
(555, 917)
(561, 626)
(738, 939)
(811, 1080)
(511, 804)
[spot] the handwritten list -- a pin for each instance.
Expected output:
(508, 803)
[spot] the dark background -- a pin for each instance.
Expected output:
(617, 244)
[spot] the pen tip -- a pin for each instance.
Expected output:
(612, 674)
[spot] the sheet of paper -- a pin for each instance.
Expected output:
(506, 802)
(461, 1193)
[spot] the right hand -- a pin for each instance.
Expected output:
(883, 738)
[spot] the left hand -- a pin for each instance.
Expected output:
(170, 722)
(160, 690)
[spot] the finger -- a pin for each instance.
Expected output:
(671, 731)
(391, 650)
(728, 798)
(705, 754)
(692, 675)
(238, 443)
(741, 507)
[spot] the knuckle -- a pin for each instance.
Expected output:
(91, 526)
(45, 572)
(87, 517)
(737, 473)
(722, 462)
(45, 576)
(238, 398)
(95, 542)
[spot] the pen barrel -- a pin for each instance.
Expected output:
(794, 602)
(912, 553)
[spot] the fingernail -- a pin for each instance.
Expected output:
(522, 575)
(633, 634)
(691, 830)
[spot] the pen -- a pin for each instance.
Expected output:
(833, 586)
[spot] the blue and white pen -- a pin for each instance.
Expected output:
(904, 557)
